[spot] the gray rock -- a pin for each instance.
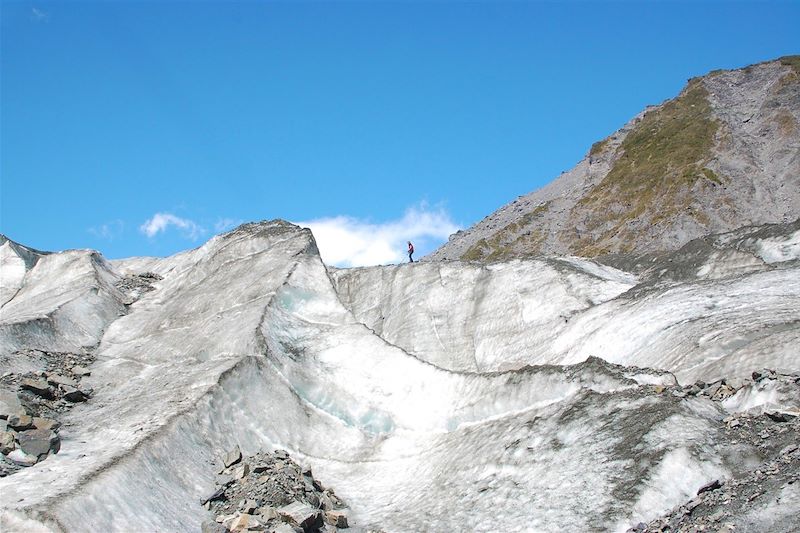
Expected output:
(714, 485)
(46, 423)
(248, 506)
(218, 494)
(301, 514)
(10, 404)
(788, 449)
(241, 471)
(325, 502)
(58, 379)
(81, 371)
(210, 526)
(20, 422)
(285, 528)
(232, 457)
(7, 444)
(38, 387)
(39, 442)
(778, 416)
(21, 458)
(74, 395)
(336, 518)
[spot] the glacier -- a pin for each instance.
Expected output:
(532, 395)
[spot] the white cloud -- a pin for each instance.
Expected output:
(109, 230)
(347, 241)
(224, 224)
(161, 221)
(38, 14)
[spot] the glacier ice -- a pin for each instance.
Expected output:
(520, 396)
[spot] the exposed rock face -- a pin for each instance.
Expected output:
(723, 154)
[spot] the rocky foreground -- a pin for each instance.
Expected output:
(270, 492)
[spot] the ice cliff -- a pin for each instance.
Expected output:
(535, 395)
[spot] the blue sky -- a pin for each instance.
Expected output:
(144, 128)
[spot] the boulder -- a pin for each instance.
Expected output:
(39, 387)
(7, 444)
(10, 404)
(232, 457)
(46, 423)
(301, 514)
(20, 422)
(244, 522)
(21, 458)
(58, 379)
(336, 518)
(39, 442)
(74, 395)
(218, 494)
(714, 485)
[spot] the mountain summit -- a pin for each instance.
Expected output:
(724, 153)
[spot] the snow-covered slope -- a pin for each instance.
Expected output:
(406, 388)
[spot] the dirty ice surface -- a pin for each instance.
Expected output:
(409, 389)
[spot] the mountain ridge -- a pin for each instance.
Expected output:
(724, 153)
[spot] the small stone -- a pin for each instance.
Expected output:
(734, 423)
(714, 485)
(679, 394)
(21, 458)
(336, 518)
(658, 389)
(281, 454)
(7, 444)
(20, 422)
(232, 457)
(38, 387)
(39, 442)
(716, 516)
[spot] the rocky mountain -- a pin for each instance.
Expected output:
(724, 153)
(199, 391)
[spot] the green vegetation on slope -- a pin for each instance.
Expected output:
(791, 61)
(662, 158)
(508, 242)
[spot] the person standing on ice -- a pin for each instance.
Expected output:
(410, 252)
